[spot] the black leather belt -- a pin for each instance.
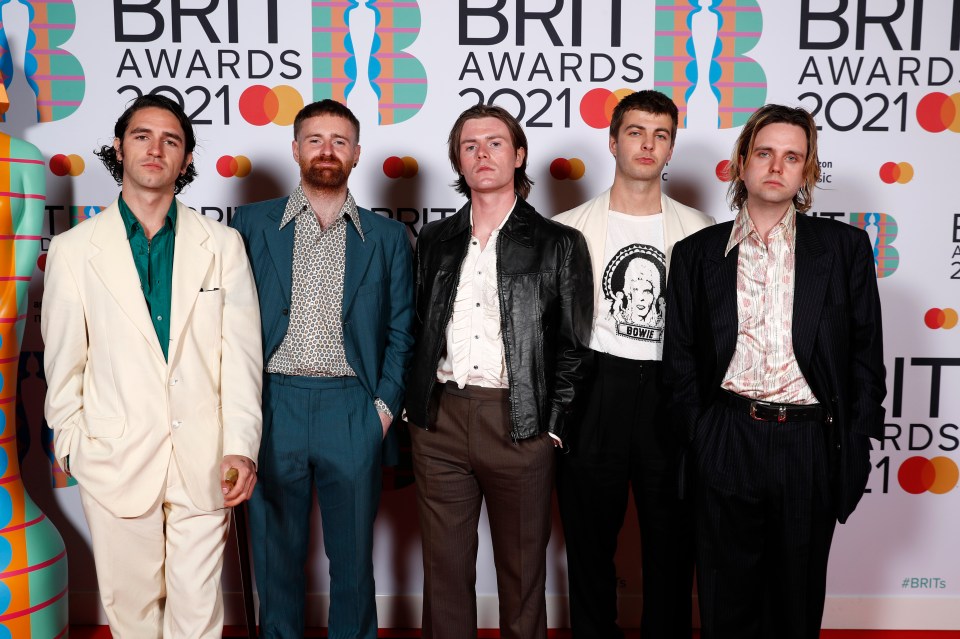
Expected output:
(772, 412)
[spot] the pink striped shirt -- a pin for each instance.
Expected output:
(764, 365)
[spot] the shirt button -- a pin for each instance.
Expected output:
(159, 318)
(475, 367)
(479, 272)
(478, 304)
(474, 242)
(176, 423)
(285, 311)
(173, 381)
(476, 337)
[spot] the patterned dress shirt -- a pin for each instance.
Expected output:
(764, 365)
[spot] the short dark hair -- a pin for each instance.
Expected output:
(325, 107)
(647, 100)
(775, 114)
(108, 155)
(521, 181)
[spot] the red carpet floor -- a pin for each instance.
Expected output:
(98, 632)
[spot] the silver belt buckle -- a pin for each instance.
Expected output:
(782, 414)
(753, 411)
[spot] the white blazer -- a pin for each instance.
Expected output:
(590, 218)
(117, 408)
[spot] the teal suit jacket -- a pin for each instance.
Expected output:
(377, 296)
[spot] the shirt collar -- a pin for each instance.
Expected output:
(132, 224)
(298, 204)
(743, 227)
(503, 222)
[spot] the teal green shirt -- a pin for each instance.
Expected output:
(154, 261)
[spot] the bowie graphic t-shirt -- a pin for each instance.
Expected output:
(633, 292)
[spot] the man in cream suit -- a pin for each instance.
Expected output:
(152, 335)
(622, 439)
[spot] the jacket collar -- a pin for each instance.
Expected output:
(519, 226)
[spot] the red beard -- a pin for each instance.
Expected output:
(321, 176)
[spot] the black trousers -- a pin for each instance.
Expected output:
(764, 526)
(623, 441)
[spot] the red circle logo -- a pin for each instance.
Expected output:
(261, 105)
(234, 166)
(62, 165)
(396, 167)
(567, 169)
(937, 112)
(938, 475)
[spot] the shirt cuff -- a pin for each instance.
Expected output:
(556, 439)
(382, 407)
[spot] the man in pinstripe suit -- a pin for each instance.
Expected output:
(774, 359)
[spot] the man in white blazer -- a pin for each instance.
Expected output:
(622, 439)
(153, 366)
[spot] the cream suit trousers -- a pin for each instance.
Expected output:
(159, 573)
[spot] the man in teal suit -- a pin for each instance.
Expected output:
(336, 304)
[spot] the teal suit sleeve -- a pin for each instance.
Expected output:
(399, 315)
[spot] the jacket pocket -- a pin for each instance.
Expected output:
(104, 427)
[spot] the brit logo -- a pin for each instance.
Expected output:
(398, 79)
(700, 60)
(53, 73)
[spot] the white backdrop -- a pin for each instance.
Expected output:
(881, 78)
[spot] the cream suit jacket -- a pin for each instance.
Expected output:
(117, 408)
(590, 218)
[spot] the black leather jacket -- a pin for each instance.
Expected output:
(546, 306)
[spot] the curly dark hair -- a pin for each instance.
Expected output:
(108, 155)
(521, 181)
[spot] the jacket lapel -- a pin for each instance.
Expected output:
(191, 264)
(114, 266)
(720, 282)
(359, 254)
(812, 272)
(279, 244)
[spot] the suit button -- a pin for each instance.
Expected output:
(176, 423)
(285, 311)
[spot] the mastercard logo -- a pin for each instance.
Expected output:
(937, 112)
(567, 169)
(722, 170)
(940, 318)
(899, 172)
(230, 166)
(261, 105)
(61, 165)
(597, 105)
(395, 167)
(918, 475)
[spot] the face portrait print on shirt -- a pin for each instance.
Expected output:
(634, 287)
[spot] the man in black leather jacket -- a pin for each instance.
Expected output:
(504, 307)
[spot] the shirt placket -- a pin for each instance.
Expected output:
(477, 311)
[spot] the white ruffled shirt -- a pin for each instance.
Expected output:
(474, 340)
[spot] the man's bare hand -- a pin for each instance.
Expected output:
(385, 421)
(238, 476)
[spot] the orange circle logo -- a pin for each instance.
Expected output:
(396, 167)
(597, 105)
(567, 169)
(261, 105)
(234, 166)
(61, 165)
(938, 475)
(899, 172)
(940, 318)
(937, 112)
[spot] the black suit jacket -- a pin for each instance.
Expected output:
(837, 337)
